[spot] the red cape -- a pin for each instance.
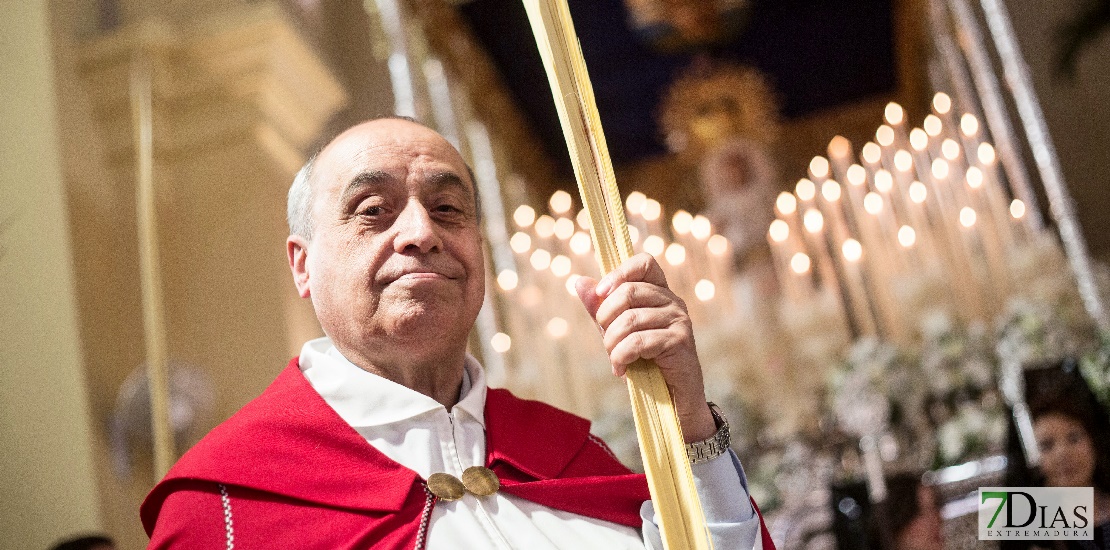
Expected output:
(295, 472)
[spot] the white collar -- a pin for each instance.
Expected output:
(363, 399)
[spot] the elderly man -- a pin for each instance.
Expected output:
(384, 434)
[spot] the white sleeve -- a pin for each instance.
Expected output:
(723, 490)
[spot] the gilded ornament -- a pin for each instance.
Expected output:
(446, 486)
(480, 481)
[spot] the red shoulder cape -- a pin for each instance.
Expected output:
(288, 446)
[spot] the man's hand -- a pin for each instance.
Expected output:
(640, 317)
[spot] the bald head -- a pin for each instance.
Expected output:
(299, 206)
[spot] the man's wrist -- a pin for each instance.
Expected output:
(714, 445)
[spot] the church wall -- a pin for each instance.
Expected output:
(46, 452)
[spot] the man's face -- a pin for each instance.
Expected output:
(396, 255)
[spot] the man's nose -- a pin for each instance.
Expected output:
(415, 231)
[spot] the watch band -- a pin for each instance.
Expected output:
(713, 446)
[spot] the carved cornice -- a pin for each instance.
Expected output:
(241, 74)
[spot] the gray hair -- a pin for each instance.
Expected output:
(299, 209)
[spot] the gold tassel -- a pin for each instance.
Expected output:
(661, 444)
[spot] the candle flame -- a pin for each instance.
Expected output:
(501, 342)
(950, 149)
(520, 242)
(540, 259)
(942, 103)
(635, 202)
(545, 226)
(819, 167)
(560, 202)
(974, 177)
(563, 228)
(969, 125)
(583, 219)
(700, 227)
(906, 236)
(557, 327)
(857, 175)
(871, 153)
(873, 203)
(675, 254)
(940, 169)
(681, 222)
(839, 147)
(894, 114)
(933, 125)
(652, 210)
(805, 189)
(852, 250)
(918, 192)
(786, 203)
(986, 153)
(507, 279)
(883, 181)
(560, 265)
(903, 160)
(654, 245)
(813, 220)
(884, 135)
(967, 216)
(1017, 209)
(830, 190)
(779, 231)
(572, 280)
(580, 243)
(705, 290)
(718, 245)
(633, 234)
(919, 140)
(800, 263)
(524, 215)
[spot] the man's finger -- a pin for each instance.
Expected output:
(585, 286)
(632, 296)
(641, 267)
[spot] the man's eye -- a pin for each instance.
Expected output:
(447, 208)
(372, 211)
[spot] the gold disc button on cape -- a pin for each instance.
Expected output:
(446, 486)
(480, 481)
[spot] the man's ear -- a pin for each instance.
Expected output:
(297, 249)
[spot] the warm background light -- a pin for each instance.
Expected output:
(940, 169)
(524, 215)
(950, 149)
(557, 327)
(700, 227)
(903, 161)
(857, 175)
(654, 245)
(635, 202)
(652, 210)
(933, 125)
(839, 147)
(986, 153)
(894, 114)
(942, 103)
(919, 140)
(705, 290)
(974, 177)
(883, 181)
(813, 221)
(819, 167)
(1017, 209)
(967, 216)
(852, 250)
(718, 245)
(681, 222)
(800, 263)
(805, 189)
(563, 228)
(906, 236)
(918, 192)
(540, 259)
(580, 243)
(560, 202)
(786, 203)
(545, 226)
(560, 266)
(830, 190)
(501, 342)
(779, 231)
(675, 254)
(520, 242)
(583, 219)
(507, 279)
(969, 125)
(871, 153)
(884, 135)
(873, 203)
